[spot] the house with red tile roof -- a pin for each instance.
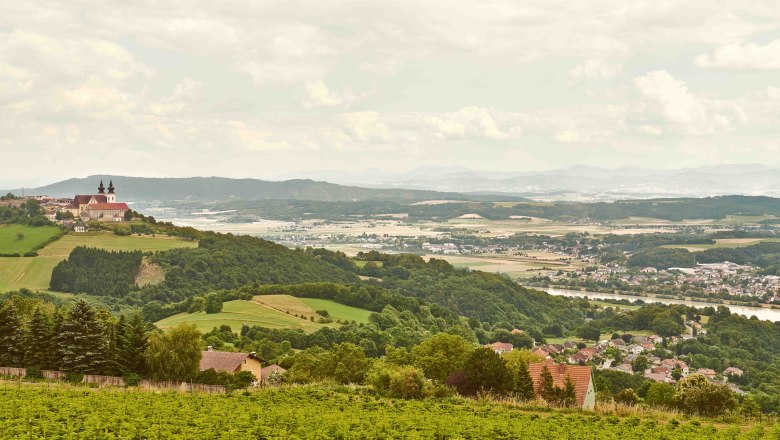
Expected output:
(581, 377)
(500, 347)
(542, 353)
(267, 374)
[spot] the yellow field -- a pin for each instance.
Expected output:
(531, 264)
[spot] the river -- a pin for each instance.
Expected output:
(762, 313)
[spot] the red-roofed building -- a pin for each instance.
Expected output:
(231, 362)
(500, 347)
(101, 206)
(581, 377)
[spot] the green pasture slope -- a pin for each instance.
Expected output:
(271, 314)
(237, 313)
(317, 412)
(10, 243)
(338, 311)
(35, 272)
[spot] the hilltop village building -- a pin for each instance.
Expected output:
(101, 206)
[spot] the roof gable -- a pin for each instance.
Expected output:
(222, 360)
(580, 376)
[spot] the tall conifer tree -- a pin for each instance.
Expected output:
(39, 340)
(132, 345)
(83, 340)
(523, 385)
(11, 337)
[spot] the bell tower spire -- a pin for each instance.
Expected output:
(111, 197)
(101, 188)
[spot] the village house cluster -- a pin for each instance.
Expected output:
(619, 355)
(712, 279)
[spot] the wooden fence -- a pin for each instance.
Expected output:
(180, 386)
(104, 381)
(54, 375)
(113, 381)
(10, 371)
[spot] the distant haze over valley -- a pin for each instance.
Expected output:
(578, 183)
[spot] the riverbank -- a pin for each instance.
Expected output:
(763, 313)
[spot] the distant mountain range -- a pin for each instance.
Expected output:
(220, 188)
(579, 183)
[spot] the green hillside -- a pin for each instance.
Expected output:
(236, 314)
(19, 239)
(338, 311)
(34, 273)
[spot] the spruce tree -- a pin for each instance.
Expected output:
(56, 352)
(523, 385)
(114, 335)
(83, 340)
(547, 388)
(38, 340)
(132, 345)
(568, 395)
(11, 336)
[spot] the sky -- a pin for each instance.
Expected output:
(248, 88)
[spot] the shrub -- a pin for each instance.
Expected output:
(132, 379)
(74, 377)
(34, 373)
(627, 397)
(697, 395)
(407, 383)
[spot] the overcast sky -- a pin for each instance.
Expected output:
(254, 88)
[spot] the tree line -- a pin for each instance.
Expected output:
(81, 339)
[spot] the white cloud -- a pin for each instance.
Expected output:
(576, 136)
(670, 100)
(186, 92)
(317, 94)
(594, 69)
(366, 126)
(467, 122)
(738, 56)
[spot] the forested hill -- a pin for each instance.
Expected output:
(220, 188)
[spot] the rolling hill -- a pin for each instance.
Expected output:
(221, 188)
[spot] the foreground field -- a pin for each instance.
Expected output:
(13, 243)
(316, 413)
(35, 273)
(272, 311)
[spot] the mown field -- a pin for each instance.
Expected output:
(35, 272)
(272, 311)
(311, 412)
(11, 243)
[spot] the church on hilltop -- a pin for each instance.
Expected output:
(101, 206)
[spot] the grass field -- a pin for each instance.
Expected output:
(270, 311)
(237, 313)
(338, 311)
(10, 242)
(35, 273)
(308, 306)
